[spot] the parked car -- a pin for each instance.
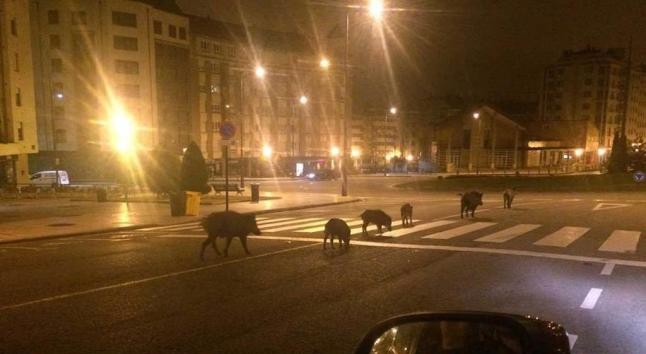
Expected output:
(322, 175)
(48, 178)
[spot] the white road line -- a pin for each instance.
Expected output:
(509, 233)
(591, 299)
(459, 231)
(572, 339)
(416, 228)
(271, 221)
(357, 230)
(296, 226)
(291, 223)
(20, 248)
(169, 227)
(261, 218)
(321, 228)
(484, 250)
(607, 269)
(562, 237)
(621, 241)
(146, 280)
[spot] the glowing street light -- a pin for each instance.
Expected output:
(355, 153)
(303, 100)
(334, 151)
(376, 9)
(267, 151)
(260, 72)
(409, 157)
(476, 115)
(393, 110)
(123, 132)
(324, 64)
(602, 151)
(578, 152)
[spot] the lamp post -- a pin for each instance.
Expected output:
(302, 101)
(476, 147)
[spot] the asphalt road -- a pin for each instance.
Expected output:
(147, 291)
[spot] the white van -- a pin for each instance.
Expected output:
(48, 178)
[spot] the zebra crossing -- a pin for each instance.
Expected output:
(617, 241)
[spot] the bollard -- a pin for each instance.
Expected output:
(255, 192)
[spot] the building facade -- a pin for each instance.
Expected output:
(291, 114)
(18, 117)
(107, 61)
(583, 101)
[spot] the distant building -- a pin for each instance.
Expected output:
(582, 105)
(296, 110)
(17, 116)
(97, 60)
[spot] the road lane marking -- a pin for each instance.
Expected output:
(591, 299)
(417, 228)
(291, 222)
(321, 228)
(621, 241)
(508, 233)
(20, 248)
(269, 221)
(562, 237)
(147, 280)
(292, 227)
(572, 339)
(607, 269)
(459, 231)
(607, 206)
(358, 230)
(169, 227)
(565, 257)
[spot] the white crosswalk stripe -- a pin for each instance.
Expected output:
(297, 226)
(563, 237)
(321, 228)
(271, 221)
(417, 228)
(274, 226)
(459, 231)
(358, 230)
(621, 241)
(508, 233)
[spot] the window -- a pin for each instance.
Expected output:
(125, 43)
(125, 19)
(79, 18)
(21, 135)
(57, 66)
(215, 108)
(16, 62)
(14, 29)
(217, 49)
(157, 27)
(231, 51)
(54, 41)
(172, 31)
(60, 136)
(52, 17)
(204, 45)
(126, 67)
(128, 90)
(57, 90)
(18, 98)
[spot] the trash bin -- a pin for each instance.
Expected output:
(177, 203)
(192, 203)
(255, 192)
(101, 195)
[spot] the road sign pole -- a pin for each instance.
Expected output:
(226, 177)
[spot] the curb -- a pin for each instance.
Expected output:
(141, 226)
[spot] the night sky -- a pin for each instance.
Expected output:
(485, 49)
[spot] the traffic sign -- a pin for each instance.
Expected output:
(227, 130)
(639, 176)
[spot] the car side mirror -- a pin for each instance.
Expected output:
(465, 333)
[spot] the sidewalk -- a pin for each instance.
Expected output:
(37, 219)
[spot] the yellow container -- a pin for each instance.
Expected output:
(193, 203)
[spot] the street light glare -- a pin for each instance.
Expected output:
(602, 151)
(325, 63)
(409, 157)
(355, 153)
(376, 9)
(476, 115)
(393, 110)
(303, 99)
(260, 72)
(578, 152)
(334, 151)
(123, 132)
(267, 151)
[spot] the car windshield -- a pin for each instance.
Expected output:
(267, 176)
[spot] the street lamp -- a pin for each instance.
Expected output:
(602, 151)
(267, 151)
(123, 132)
(324, 64)
(578, 152)
(303, 100)
(476, 116)
(409, 157)
(260, 72)
(376, 9)
(393, 110)
(334, 151)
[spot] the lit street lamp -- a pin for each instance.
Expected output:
(476, 117)
(303, 100)
(376, 9)
(260, 72)
(334, 151)
(324, 64)
(393, 110)
(267, 151)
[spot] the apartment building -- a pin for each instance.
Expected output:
(17, 116)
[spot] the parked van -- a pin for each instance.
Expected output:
(48, 178)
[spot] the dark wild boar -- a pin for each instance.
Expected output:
(407, 214)
(470, 202)
(377, 217)
(228, 224)
(508, 197)
(340, 229)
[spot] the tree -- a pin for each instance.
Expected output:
(619, 155)
(194, 174)
(162, 171)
